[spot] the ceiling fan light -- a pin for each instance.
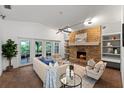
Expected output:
(69, 29)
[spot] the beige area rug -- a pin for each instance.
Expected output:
(87, 82)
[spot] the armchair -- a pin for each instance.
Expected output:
(97, 71)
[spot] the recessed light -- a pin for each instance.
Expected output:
(60, 12)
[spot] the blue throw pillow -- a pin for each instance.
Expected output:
(47, 60)
(41, 59)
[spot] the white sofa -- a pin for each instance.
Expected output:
(41, 68)
(97, 71)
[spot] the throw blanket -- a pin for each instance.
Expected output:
(51, 78)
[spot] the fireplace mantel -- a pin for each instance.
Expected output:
(85, 44)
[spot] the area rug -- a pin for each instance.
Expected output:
(88, 82)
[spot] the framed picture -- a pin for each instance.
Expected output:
(80, 38)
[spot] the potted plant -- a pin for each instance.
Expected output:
(9, 50)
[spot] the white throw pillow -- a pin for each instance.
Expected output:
(97, 66)
(50, 64)
(91, 63)
(56, 64)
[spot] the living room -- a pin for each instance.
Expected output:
(90, 37)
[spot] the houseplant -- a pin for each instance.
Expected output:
(9, 50)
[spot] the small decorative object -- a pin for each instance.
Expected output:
(115, 51)
(113, 37)
(71, 67)
(109, 44)
(110, 50)
(69, 72)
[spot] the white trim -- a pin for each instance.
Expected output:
(1, 70)
(122, 54)
(113, 33)
(38, 39)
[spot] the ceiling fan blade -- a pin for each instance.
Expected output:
(66, 31)
(57, 32)
(7, 7)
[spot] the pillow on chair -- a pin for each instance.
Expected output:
(91, 63)
(98, 66)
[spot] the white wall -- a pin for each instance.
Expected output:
(16, 30)
(122, 51)
(112, 28)
(0, 50)
(0, 61)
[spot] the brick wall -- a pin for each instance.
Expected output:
(92, 51)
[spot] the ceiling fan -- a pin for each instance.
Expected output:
(65, 29)
(7, 7)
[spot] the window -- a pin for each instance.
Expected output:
(56, 48)
(38, 48)
(48, 48)
(25, 51)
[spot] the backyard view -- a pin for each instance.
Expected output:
(48, 48)
(51, 47)
(38, 49)
(25, 51)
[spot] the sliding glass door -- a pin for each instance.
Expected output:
(48, 48)
(52, 47)
(30, 48)
(56, 47)
(25, 52)
(38, 48)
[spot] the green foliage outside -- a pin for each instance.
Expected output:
(25, 48)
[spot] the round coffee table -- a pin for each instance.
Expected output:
(76, 81)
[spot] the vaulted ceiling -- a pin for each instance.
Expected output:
(57, 16)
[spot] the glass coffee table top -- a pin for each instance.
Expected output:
(71, 82)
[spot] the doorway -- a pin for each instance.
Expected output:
(24, 52)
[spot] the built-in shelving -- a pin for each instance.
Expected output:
(111, 50)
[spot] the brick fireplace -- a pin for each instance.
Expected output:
(88, 51)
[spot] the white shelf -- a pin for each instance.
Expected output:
(111, 40)
(111, 54)
(111, 46)
(111, 59)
